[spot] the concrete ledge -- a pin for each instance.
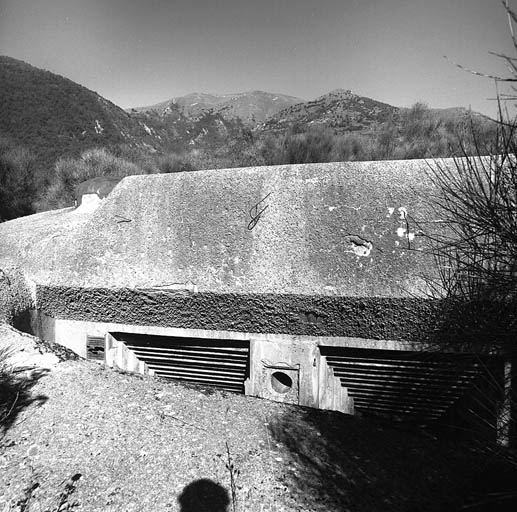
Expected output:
(72, 334)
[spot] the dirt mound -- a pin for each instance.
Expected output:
(22, 350)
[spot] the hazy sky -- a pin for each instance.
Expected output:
(140, 52)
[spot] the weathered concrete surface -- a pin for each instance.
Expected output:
(32, 243)
(406, 319)
(339, 229)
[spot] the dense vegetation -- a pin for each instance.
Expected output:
(55, 117)
(17, 180)
(417, 132)
(69, 172)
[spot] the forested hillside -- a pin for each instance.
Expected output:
(54, 117)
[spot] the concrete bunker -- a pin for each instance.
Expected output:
(292, 283)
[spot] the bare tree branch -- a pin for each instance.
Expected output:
(478, 73)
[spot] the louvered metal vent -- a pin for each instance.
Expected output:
(408, 385)
(213, 362)
(95, 348)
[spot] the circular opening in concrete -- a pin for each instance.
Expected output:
(281, 382)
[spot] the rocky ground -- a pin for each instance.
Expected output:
(77, 436)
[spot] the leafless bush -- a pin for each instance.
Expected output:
(475, 248)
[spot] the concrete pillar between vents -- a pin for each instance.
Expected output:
(293, 371)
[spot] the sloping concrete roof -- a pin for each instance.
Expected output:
(344, 229)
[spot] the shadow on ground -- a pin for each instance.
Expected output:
(16, 394)
(352, 463)
(204, 496)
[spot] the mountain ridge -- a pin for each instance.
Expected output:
(250, 106)
(54, 117)
(340, 109)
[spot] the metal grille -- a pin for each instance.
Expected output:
(408, 385)
(95, 348)
(213, 362)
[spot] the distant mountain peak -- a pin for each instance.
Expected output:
(342, 93)
(340, 109)
(251, 107)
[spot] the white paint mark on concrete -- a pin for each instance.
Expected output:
(98, 128)
(89, 203)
